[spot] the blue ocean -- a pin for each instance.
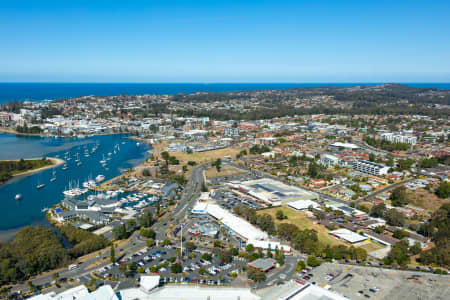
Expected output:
(51, 91)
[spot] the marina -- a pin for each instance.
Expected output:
(77, 177)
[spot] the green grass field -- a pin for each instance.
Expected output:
(301, 220)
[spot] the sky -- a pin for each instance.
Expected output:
(225, 41)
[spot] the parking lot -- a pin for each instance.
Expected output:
(378, 283)
(157, 260)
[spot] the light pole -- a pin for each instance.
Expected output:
(181, 253)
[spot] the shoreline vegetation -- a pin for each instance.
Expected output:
(10, 169)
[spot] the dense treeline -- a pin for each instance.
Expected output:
(32, 251)
(26, 129)
(306, 240)
(439, 229)
(386, 145)
(38, 249)
(9, 168)
(83, 241)
(12, 106)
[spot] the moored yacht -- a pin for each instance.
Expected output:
(100, 178)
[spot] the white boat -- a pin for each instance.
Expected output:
(52, 179)
(99, 178)
(137, 144)
(45, 209)
(40, 186)
(64, 167)
(74, 192)
(103, 161)
(18, 197)
(89, 184)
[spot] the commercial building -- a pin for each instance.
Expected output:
(399, 138)
(274, 192)
(298, 290)
(303, 204)
(344, 145)
(369, 167)
(266, 244)
(329, 160)
(189, 292)
(236, 224)
(200, 208)
(204, 228)
(347, 235)
(263, 264)
(176, 147)
(80, 293)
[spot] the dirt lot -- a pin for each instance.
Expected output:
(207, 156)
(225, 171)
(424, 199)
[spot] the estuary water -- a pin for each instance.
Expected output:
(28, 210)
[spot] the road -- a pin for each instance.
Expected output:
(192, 191)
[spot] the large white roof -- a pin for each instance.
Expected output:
(265, 245)
(303, 204)
(188, 292)
(149, 282)
(348, 235)
(238, 225)
(345, 145)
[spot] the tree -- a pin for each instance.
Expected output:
(148, 233)
(269, 252)
(112, 254)
(379, 229)
(55, 276)
(313, 170)
(399, 253)
(280, 215)
(256, 275)
(300, 265)
(166, 156)
(150, 243)
(217, 164)
(415, 249)
(378, 210)
(206, 256)
(166, 242)
(400, 234)
(399, 197)
(190, 246)
(394, 217)
(225, 256)
(140, 270)
(313, 261)
(249, 248)
(202, 271)
(279, 255)
(176, 268)
(443, 191)
(122, 268)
